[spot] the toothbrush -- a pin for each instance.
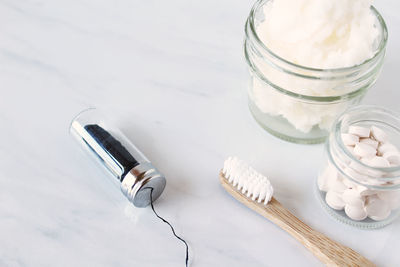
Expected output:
(255, 191)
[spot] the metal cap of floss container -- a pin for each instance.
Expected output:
(140, 181)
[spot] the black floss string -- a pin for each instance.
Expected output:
(172, 228)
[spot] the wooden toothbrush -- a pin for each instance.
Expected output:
(255, 191)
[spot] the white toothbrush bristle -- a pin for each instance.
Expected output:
(248, 181)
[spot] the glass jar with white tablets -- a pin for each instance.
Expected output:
(359, 182)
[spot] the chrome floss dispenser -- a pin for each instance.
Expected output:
(140, 181)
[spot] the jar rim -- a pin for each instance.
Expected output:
(337, 130)
(379, 50)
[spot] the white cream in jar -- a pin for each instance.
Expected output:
(321, 34)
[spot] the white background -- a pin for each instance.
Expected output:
(174, 75)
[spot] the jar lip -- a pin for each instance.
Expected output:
(378, 187)
(380, 49)
(337, 127)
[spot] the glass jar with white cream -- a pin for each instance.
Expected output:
(304, 76)
(359, 182)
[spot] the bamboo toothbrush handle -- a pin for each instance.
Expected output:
(325, 249)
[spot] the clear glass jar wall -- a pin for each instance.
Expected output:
(276, 85)
(352, 191)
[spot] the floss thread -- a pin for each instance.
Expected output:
(172, 228)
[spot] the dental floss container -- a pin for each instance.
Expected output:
(137, 176)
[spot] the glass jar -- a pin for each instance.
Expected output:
(345, 179)
(276, 85)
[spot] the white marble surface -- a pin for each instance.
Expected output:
(173, 72)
